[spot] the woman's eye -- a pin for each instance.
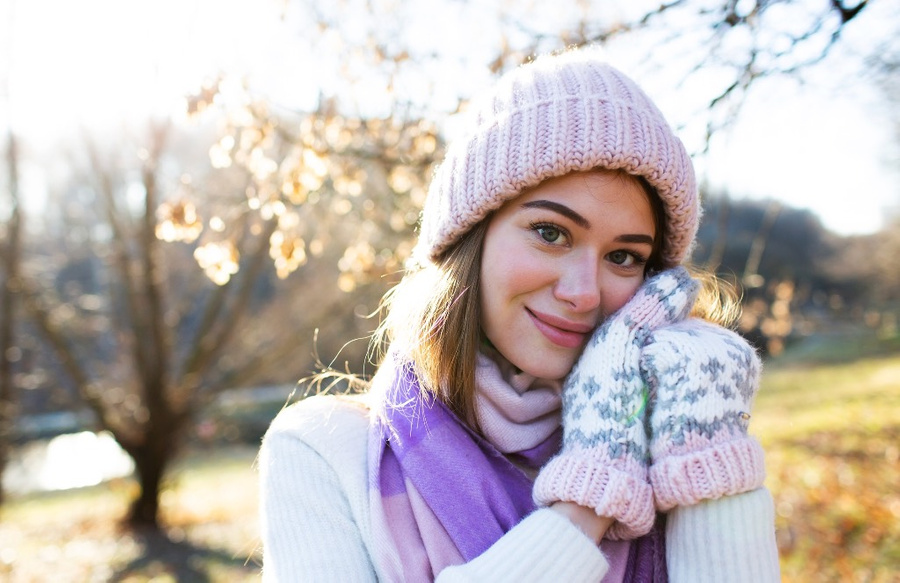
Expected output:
(624, 258)
(549, 233)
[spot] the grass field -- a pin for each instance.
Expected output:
(829, 420)
(832, 433)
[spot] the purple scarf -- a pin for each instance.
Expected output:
(441, 494)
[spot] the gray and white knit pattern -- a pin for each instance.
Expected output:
(702, 380)
(604, 396)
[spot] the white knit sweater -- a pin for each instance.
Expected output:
(316, 525)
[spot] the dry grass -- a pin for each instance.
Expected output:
(832, 434)
(209, 509)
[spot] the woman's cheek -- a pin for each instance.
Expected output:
(619, 294)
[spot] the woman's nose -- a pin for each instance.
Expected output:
(579, 285)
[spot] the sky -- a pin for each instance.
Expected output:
(94, 63)
(813, 150)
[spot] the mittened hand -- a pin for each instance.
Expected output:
(603, 460)
(703, 379)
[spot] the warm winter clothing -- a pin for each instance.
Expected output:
(317, 519)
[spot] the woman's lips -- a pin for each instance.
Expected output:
(560, 331)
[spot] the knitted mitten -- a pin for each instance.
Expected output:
(704, 378)
(603, 460)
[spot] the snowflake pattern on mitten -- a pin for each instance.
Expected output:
(702, 380)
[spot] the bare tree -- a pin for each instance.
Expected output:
(156, 343)
(9, 285)
(9, 294)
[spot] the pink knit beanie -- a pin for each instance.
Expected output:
(558, 114)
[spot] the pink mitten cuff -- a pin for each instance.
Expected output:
(614, 488)
(723, 469)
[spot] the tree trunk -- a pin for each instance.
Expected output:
(8, 296)
(150, 466)
(151, 460)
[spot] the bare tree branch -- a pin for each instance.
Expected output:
(89, 392)
(213, 344)
(848, 13)
(134, 323)
(158, 347)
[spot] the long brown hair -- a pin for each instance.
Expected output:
(433, 319)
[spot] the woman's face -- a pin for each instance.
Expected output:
(557, 260)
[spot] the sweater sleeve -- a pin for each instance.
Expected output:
(308, 525)
(545, 546)
(727, 539)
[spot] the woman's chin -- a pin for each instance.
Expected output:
(550, 371)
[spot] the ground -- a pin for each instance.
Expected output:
(210, 514)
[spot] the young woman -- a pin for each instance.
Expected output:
(549, 407)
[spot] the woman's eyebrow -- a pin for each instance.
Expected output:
(561, 209)
(643, 239)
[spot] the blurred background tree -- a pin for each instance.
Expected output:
(10, 351)
(138, 339)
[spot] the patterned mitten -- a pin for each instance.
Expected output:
(603, 460)
(702, 380)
